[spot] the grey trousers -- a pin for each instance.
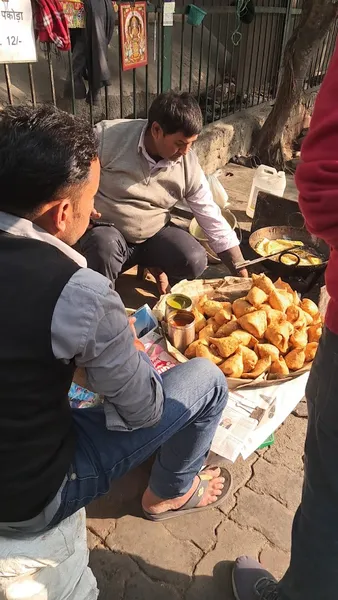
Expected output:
(313, 571)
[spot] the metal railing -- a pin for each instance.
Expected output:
(224, 76)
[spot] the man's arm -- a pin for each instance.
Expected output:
(317, 175)
(90, 326)
(222, 239)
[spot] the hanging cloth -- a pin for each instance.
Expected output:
(90, 50)
(51, 24)
(100, 21)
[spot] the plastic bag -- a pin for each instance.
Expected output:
(218, 192)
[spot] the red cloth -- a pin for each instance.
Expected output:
(51, 23)
(317, 180)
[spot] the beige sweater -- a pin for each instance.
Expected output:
(137, 202)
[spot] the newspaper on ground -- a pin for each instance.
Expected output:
(252, 415)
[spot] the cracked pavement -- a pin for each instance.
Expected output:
(190, 558)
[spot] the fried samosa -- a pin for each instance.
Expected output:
(227, 329)
(255, 323)
(278, 335)
(211, 321)
(263, 364)
(296, 316)
(244, 338)
(309, 307)
(263, 282)
(264, 350)
(273, 316)
(211, 307)
(314, 333)
(250, 358)
(233, 366)
(192, 348)
(282, 285)
(295, 359)
(224, 315)
(200, 321)
(241, 307)
(310, 351)
(279, 367)
(206, 332)
(205, 352)
(279, 301)
(298, 338)
(226, 346)
(256, 297)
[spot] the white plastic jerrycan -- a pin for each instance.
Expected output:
(266, 179)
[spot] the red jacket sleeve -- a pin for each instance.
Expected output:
(317, 175)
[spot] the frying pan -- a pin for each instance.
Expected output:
(312, 244)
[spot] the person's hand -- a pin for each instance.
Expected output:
(243, 273)
(137, 343)
(93, 216)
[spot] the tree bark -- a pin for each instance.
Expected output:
(316, 19)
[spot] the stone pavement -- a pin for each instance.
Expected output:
(190, 557)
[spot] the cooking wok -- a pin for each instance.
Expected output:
(312, 244)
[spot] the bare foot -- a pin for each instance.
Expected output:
(155, 505)
(162, 281)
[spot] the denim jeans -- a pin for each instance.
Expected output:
(313, 571)
(195, 395)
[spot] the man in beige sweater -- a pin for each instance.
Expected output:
(147, 166)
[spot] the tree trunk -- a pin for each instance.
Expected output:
(316, 18)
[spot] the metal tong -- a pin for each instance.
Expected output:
(248, 263)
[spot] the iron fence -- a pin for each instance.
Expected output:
(225, 76)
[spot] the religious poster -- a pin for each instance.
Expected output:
(133, 35)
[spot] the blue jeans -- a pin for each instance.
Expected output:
(313, 571)
(195, 395)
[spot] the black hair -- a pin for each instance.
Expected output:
(44, 152)
(176, 112)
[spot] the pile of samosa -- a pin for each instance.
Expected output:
(269, 331)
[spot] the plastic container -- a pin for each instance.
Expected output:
(199, 235)
(266, 179)
(195, 15)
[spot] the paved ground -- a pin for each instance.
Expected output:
(190, 557)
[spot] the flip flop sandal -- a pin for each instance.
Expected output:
(191, 505)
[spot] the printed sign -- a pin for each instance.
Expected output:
(17, 42)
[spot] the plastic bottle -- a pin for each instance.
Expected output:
(266, 179)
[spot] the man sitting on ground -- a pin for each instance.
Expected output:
(57, 315)
(147, 166)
